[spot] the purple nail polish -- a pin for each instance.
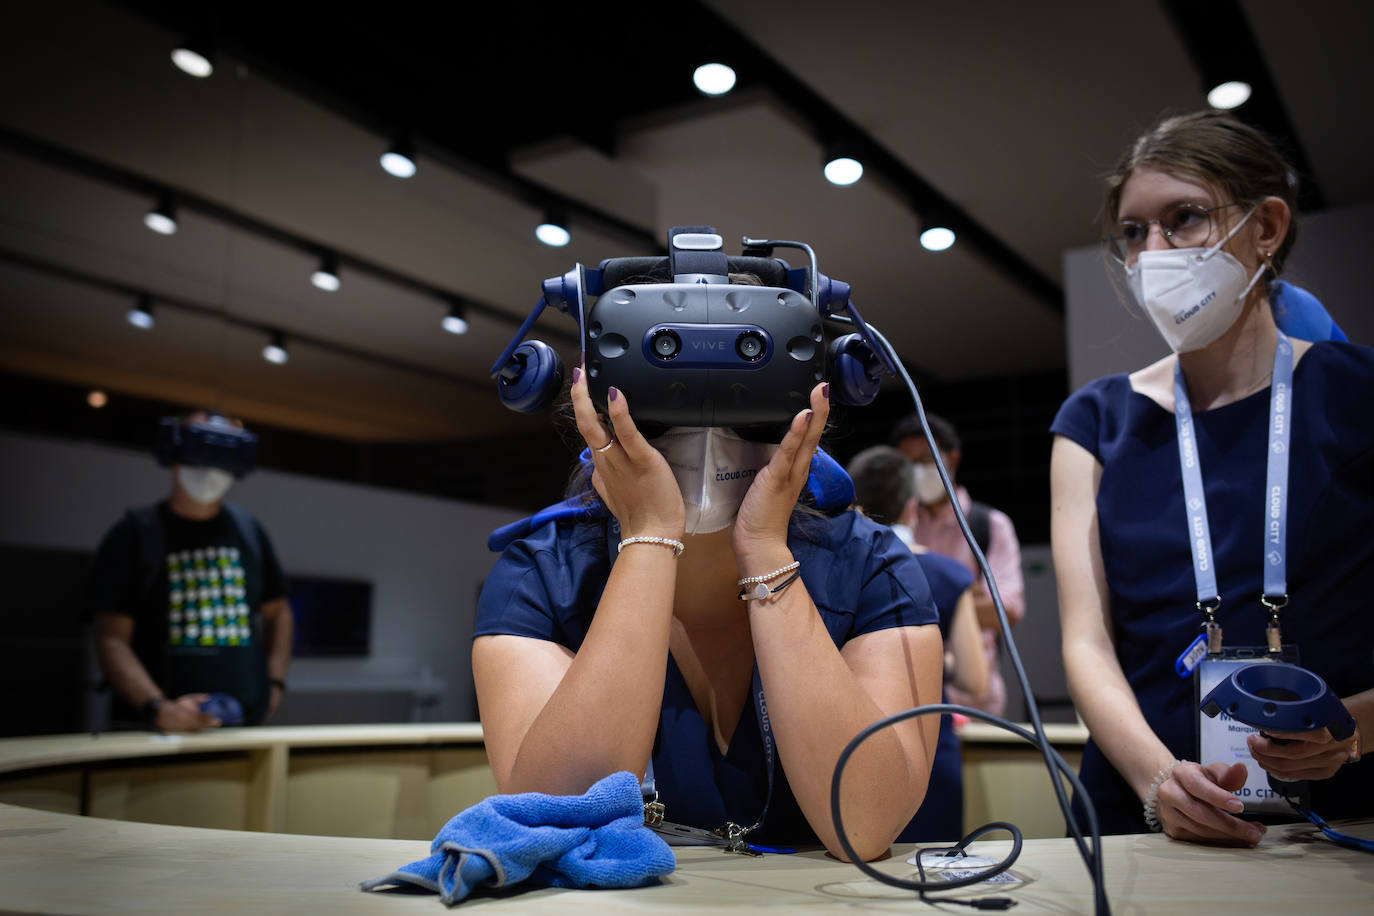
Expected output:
(809, 415)
(825, 391)
(613, 394)
(577, 374)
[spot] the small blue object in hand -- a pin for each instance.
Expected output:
(224, 707)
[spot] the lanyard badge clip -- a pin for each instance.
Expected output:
(1273, 637)
(1211, 627)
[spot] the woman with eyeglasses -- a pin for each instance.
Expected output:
(1214, 508)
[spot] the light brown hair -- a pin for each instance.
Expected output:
(1217, 149)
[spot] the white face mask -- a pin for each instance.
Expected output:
(714, 468)
(204, 485)
(929, 488)
(1193, 295)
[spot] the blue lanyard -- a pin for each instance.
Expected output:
(1275, 594)
(729, 834)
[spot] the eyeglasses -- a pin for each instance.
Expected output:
(1182, 225)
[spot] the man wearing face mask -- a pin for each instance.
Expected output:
(936, 527)
(187, 596)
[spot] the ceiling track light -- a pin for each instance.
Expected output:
(1229, 94)
(162, 218)
(714, 79)
(456, 321)
(141, 315)
(275, 351)
(841, 165)
(936, 234)
(326, 276)
(399, 158)
(194, 57)
(553, 231)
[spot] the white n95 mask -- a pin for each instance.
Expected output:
(204, 485)
(1192, 295)
(930, 489)
(714, 468)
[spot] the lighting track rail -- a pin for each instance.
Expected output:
(143, 296)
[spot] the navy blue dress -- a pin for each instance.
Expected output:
(1147, 559)
(861, 577)
(941, 816)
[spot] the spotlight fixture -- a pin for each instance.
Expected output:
(141, 315)
(194, 57)
(162, 219)
(326, 276)
(936, 237)
(714, 79)
(842, 168)
(455, 322)
(275, 351)
(97, 398)
(1228, 95)
(399, 159)
(553, 230)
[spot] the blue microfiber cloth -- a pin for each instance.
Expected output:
(595, 839)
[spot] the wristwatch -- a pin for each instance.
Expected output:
(1354, 748)
(151, 707)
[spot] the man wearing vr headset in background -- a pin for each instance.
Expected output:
(187, 596)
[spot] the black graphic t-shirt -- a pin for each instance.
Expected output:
(195, 590)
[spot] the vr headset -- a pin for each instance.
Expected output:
(690, 348)
(214, 443)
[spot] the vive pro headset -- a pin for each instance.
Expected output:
(689, 348)
(213, 442)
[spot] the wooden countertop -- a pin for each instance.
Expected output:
(56, 750)
(56, 863)
(1061, 734)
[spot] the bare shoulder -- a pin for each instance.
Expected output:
(1156, 382)
(1300, 347)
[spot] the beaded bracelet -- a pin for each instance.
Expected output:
(677, 546)
(750, 580)
(1152, 796)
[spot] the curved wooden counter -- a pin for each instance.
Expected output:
(60, 863)
(400, 781)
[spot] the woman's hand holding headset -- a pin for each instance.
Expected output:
(630, 475)
(763, 517)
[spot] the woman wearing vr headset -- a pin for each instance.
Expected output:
(605, 645)
(1179, 536)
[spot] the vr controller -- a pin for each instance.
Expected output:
(225, 707)
(214, 443)
(1277, 696)
(690, 348)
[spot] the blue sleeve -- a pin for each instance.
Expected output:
(546, 585)
(892, 589)
(1080, 417)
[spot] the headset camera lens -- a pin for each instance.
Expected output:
(749, 346)
(666, 344)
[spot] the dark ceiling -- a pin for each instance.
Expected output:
(995, 117)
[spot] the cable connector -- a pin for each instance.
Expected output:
(992, 903)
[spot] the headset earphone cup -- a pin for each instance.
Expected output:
(854, 377)
(168, 440)
(538, 378)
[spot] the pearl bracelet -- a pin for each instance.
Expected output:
(1152, 796)
(677, 546)
(750, 580)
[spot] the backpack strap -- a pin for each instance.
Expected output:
(980, 523)
(248, 531)
(152, 549)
